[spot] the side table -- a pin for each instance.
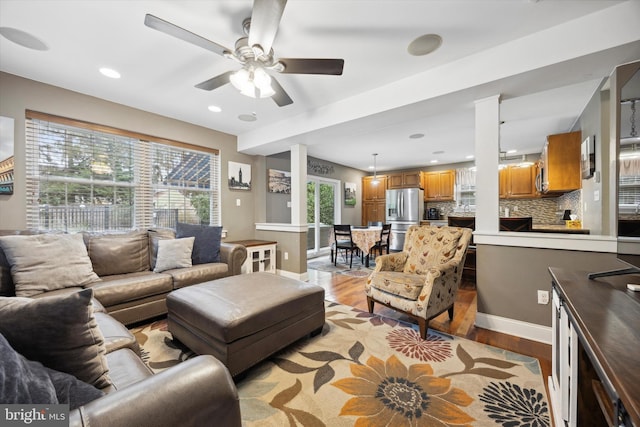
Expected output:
(261, 256)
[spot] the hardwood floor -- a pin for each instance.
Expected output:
(350, 291)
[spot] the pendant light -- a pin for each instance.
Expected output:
(375, 171)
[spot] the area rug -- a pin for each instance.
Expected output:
(368, 370)
(358, 269)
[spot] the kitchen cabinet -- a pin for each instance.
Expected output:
(404, 180)
(438, 186)
(373, 211)
(373, 199)
(518, 182)
(560, 162)
(261, 256)
(374, 191)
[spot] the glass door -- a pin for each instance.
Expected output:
(323, 201)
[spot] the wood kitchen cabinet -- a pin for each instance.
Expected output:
(371, 191)
(373, 199)
(438, 186)
(373, 211)
(518, 182)
(561, 163)
(404, 180)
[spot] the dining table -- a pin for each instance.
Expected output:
(363, 237)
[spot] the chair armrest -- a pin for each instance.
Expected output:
(233, 255)
(443, 276)
(196, 392)
(391, 262)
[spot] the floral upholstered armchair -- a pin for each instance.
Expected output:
(423, 279)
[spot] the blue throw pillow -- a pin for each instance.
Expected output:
(206, 247)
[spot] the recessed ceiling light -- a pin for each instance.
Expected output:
(416, 136)
(248, 117)
(424, 44)
(111, 73)
(434, 161)
(438, 152)
(23, 39)
(214, 108)
(511, 151)
(470, 156)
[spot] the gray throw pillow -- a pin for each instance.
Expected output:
(24, 381)
(154, 236)
(206, 247)
(46, 262)
(175, 253)
(58, 331)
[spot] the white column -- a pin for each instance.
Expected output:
(487, 160)
(299, 185)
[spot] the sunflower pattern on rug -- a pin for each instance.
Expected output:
(368, 370)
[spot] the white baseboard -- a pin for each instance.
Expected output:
(300, 276)
(521, 329)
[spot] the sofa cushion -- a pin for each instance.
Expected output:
(174, 253)
(429, 246)
(120, 288)
(118, 253)
(24, 381)
(60, 332)
(45, 262)
(128, 368)
(116, 335)
(198, 274)
(155, 235)
(206, 247)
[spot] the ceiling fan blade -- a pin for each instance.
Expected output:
(312, 66)
(281, 97)
(166, 27)
(265, 19)
(215, 82)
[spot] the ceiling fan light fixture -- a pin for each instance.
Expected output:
(252, 81)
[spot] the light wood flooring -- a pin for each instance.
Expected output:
(350, 291)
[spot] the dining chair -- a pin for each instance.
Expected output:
(383, 243)
(344, 241)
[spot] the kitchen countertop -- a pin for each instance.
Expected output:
(557, 228)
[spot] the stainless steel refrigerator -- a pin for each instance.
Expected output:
(404, 207)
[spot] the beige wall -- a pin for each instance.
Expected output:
(508, 278)
(18, 94)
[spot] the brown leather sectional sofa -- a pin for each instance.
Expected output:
(196, 392)
(128, 288)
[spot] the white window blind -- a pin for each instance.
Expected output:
(82, 176)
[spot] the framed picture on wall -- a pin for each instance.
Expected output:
(350, 193)
(279, 181)
(588, 157)
(6, 155)
(239, 176)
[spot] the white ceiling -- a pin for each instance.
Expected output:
(546, 58)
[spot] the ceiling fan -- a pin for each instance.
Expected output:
(254, 53)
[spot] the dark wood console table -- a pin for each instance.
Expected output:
(606, 317)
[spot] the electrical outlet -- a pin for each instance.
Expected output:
(543, 297)
(286, 255)
(515, 208)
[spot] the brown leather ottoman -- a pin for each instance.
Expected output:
(244, 319)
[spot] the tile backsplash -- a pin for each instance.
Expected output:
(548, 210)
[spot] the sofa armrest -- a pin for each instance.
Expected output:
(196, 392)
(234, 256)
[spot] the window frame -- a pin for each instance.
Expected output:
(143, 188)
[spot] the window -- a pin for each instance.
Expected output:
(82, 176)
(465, 188)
